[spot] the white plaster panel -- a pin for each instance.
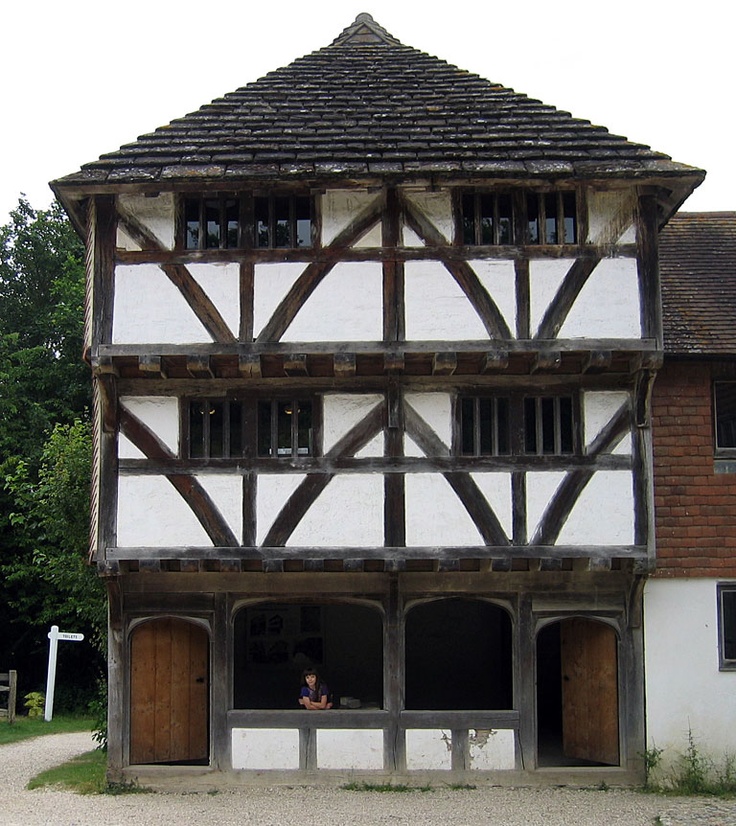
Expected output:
(436, 307)
(409, 238)
(272, 493)
(271, 284)
(434, 513)
(156, 214)
(684, 688)
(428, 749)
(160, 414)
(349, 511)
(350, 749)
(492, 750)
(608, 304)
(123, 241)
(499, 280)
(221, 284)
(436, 410)
(540, 488)
(152, 513)
(226, 491)
(611, 217)
(265, 748)
(496, 487)
(373, 448)
(599, 407)
(149, 308)
(340, 207)
(342, 411)
(347, 305)
(545, 278)
(437, 207)
(604, 512)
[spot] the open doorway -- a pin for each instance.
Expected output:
(577, 694)
(458, 656)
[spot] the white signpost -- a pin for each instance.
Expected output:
(54, 636)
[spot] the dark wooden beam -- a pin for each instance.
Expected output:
(495, 361)
(597, 361)
(199, 367)
(152, 366)
(295, 364)
(344, 365)
(444, 364)
(546, 360)
(249, 365)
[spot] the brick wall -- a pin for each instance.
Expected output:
(695, 507)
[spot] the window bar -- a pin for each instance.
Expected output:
(226, 429)
(496, 220)
(274, 447)
(557, 419)
(539, 425)
(294, 428)
(292, 222)
(494, 427)
(476, 427)
(206, 428)
(560, 219)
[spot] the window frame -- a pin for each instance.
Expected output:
(246, 209)
(723, 451)
(516, 420)
(726, 663)
(248, 428)
(518, 217)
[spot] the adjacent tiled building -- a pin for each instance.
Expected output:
(690, 602)
(373, 342)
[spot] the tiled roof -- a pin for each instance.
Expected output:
(368, 106)
(698, 272)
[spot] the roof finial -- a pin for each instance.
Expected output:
(364, 30)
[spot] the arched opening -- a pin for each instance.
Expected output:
(275, 642)
(169, 692)
(458, 656)
(577, 694)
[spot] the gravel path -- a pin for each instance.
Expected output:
(323, 806)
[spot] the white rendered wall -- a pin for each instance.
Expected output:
(160, 414)
(437, 207)
(428, 749)
(684, 688)
(599, 407)
(350, 749)
(611, 217)
(492, 750)
(436, 410)
(435, 516)
(149, 309)
(607, 306)
(602, 515)
(340, 207)
(265, 748)
(499, 280)
(221, 284)
(341, 412)
(156, 214)
(436, 307)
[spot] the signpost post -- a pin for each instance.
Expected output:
(54, 636)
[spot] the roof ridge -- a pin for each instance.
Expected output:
(364, 30)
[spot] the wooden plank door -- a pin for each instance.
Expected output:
(169, 692)
(589, 691)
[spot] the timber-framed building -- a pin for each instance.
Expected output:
(373, 341)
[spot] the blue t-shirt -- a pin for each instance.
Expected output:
(316, 695)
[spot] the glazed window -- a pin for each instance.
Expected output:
(484, 426)
(725, 415)
(282, 221)
(727, 626)
(285, 428)
(548, 425)
(498, 218)
(215, 429)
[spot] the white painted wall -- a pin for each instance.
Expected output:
(435, 515)
(149, 309)
(684, 688)
(347, 305)
(599, 407)
(341, 412)
(611, 217)
(492, 750)
(499, 280)
(265, 748)
(607, 306)
(156, 214)
(221, 284)
(160, 414)
(152, 513)
(436, 410)
(602, 515)
(350, 749)
(428, 749)
(437, 207)
(339, 207)
(436, 308)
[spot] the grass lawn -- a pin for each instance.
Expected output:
(25, 727)
(84, 774)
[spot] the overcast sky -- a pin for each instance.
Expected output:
(82, 77)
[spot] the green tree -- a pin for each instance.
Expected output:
(44, 441)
